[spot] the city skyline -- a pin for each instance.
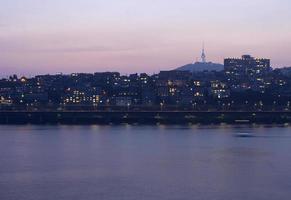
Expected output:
(148, 36)
(145, 99)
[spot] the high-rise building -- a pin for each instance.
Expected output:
(246, 66)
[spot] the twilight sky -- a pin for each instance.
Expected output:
(50, 36)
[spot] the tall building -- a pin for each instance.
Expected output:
(246, 66)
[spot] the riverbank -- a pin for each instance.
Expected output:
(144, 117)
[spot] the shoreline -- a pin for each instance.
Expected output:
(144, 117)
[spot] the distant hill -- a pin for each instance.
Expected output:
(285, 70)
(199, 66)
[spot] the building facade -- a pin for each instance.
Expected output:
(247, 66)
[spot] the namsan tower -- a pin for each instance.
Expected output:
(203, 55)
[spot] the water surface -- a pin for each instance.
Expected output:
(145, 163)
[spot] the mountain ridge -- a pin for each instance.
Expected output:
(201, 66)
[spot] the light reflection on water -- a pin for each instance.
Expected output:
(145, 162)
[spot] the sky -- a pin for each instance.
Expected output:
(52, 36)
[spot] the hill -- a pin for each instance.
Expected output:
(200, 66)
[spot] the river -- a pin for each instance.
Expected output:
(145, 162)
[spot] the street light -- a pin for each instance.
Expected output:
(128, 105)
(161, 104)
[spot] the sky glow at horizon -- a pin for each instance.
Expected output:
(51, 36)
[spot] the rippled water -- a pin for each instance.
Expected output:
(145, 162)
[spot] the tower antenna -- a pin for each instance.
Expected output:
(203, 55)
